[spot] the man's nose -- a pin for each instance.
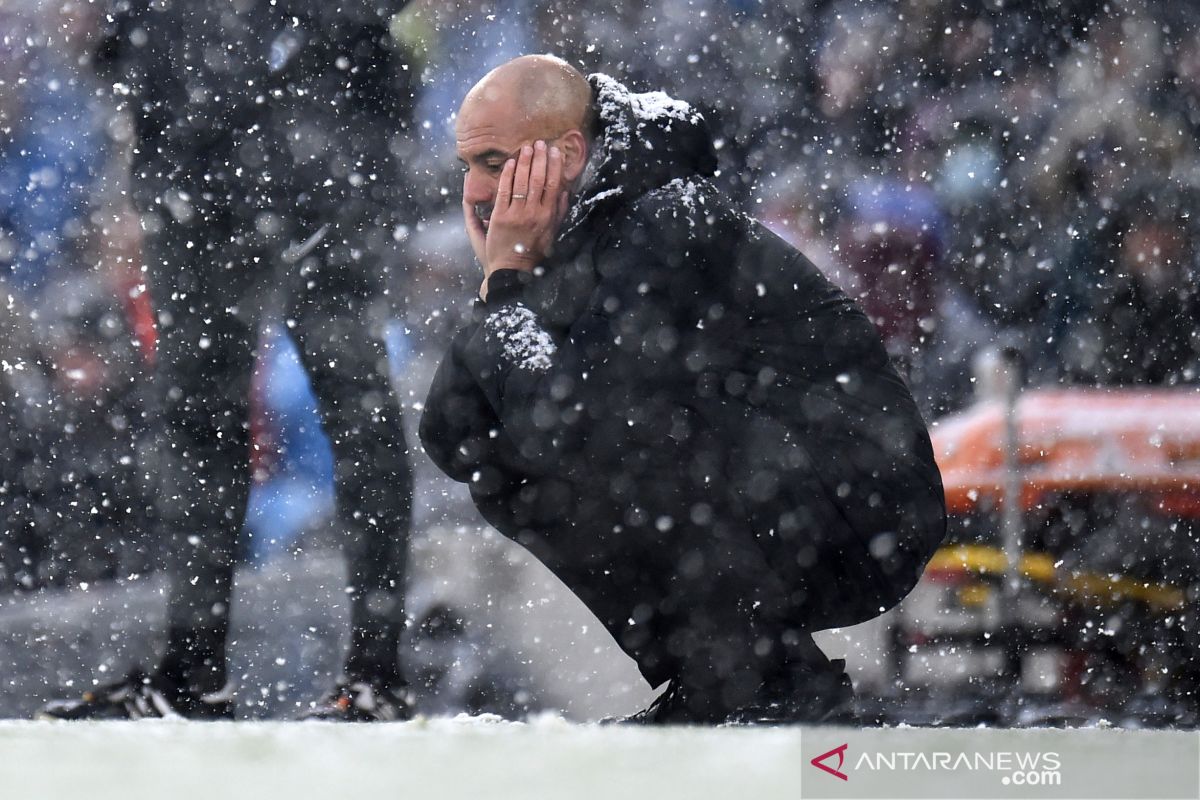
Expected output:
(477, 189)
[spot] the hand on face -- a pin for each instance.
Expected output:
(529, 207)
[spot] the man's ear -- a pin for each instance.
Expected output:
(574, 148)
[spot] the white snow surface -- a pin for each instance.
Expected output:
(483, 757)
(525, 342)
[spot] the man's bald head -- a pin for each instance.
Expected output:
(527, 100)
(546, 93)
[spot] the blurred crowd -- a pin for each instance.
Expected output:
(1022, 174)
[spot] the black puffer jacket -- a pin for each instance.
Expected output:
(681, 412)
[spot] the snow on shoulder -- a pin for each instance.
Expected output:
(618, 107)
(526, 344)
(691, 198)
(691, 192)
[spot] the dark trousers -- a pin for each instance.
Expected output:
(720, 562)
(213, 270)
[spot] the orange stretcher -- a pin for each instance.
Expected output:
(1145, 441)
(1111, 441)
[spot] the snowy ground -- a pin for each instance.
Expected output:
(474, 758)
(290, 625)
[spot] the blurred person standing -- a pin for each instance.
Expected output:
(68, 513)
(1134, 311)
(263, 165)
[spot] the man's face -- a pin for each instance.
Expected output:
(488, 134)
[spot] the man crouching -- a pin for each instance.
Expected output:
(669, 406)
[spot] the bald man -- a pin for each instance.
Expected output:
(540, 104)
(669, 406)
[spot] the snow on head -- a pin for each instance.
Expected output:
(525, 343)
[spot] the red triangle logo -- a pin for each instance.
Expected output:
(840, 752)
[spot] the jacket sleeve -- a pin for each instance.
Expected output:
(455, 417)
(459, 428)
(530, 378)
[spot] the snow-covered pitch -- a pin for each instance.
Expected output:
(552, 758)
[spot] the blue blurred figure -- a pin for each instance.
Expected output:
(292, 461)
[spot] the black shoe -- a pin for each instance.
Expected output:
(674, 706)
(816, 694)
(824, 699)
(141, 696)
(832, 704)
(362, 701)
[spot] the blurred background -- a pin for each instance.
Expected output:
(1009, 189)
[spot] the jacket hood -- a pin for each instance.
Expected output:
(643, 141)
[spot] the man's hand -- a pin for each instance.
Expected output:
(530, 207)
